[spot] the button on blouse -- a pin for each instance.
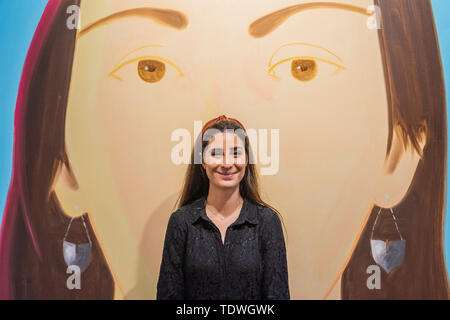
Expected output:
(251, 263)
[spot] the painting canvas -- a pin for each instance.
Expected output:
(345, 100)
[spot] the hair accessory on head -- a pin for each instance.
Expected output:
(221, 118)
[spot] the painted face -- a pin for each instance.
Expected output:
(317, 76)
(225, 160)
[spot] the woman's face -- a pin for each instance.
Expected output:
(318, 78)
(225, 160)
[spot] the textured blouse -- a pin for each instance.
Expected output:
(250, 265)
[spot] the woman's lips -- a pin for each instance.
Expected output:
(227, 176)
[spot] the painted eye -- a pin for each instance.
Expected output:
(303, 69)
(151, 70)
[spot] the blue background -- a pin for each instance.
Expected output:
(18, 21)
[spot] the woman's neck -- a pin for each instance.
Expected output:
(223, 200)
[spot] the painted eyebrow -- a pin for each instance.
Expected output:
(166, 17)
(267, 24)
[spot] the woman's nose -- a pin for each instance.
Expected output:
(227, 162)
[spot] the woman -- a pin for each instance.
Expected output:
(93, 127)
(236, 250)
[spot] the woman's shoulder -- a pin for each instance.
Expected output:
(186, 211)
(266, 214)
(270, 221)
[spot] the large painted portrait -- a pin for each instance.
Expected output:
(347, 102)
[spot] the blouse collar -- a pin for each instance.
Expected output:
(248, 211)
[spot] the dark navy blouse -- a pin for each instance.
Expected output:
(250, 265)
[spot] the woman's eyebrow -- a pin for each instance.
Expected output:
(265, 25)
(165, 17)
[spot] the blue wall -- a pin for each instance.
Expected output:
(441, 10)
(18, 21)
(24, 16)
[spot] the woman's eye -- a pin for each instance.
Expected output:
(151, 70)
(216, 153)
(303, 69)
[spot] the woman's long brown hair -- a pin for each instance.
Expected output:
(31, 263)
(196, 182)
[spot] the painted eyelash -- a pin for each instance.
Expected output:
(271, 71)
(163, 60)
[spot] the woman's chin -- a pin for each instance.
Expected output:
(226, 184)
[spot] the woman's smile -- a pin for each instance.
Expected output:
(227, 175)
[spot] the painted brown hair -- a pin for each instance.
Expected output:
(33, 227)
(416, 102)
(31, 263)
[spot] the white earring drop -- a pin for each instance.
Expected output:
(77, 254)
(390, 255)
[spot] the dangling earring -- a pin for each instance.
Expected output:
(391, 255)
(77, 254)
